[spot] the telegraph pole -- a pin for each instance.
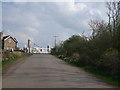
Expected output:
(55, 43)
(55, 39)
(28, 46)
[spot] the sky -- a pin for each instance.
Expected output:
(40, 21)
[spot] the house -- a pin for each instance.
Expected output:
(8, 43)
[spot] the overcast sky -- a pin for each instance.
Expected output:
(40, 21)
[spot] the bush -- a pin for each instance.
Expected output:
(75, 56)
(109, 62)
(7, 55)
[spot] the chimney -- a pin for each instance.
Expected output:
(1, 35)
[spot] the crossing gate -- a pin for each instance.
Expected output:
(40, 50)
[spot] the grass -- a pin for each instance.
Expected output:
(113, 80)
(11, 60)
(110, 79)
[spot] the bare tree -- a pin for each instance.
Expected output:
(97, 27)
(113, 14)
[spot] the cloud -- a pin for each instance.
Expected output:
(71, 7)
(41, 21)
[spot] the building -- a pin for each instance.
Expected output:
(8, 42)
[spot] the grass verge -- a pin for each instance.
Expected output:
(11, 60)
(113, 80)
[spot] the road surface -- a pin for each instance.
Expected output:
(46, 71)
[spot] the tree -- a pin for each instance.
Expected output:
(113, 14)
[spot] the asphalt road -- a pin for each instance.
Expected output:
(46, 71)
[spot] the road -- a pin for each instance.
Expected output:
(46, 71)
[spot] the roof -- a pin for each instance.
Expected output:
(6, 37)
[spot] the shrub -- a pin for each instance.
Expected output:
(110, 62)
(75, 56)
(7, 55)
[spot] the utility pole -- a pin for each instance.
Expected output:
(28, 46)
(55, 39)
(1, 36)
(55, 43)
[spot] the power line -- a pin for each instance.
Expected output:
(34, 43)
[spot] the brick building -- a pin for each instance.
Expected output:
(8, 42)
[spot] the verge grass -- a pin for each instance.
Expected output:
(113, 80)
(12, 60)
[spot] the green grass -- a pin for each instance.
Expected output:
(110, 79)
(11, 60)
(100, 74)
